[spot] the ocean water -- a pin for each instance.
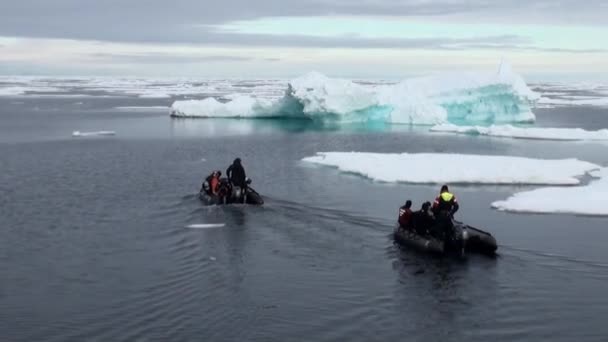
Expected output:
(95, 244)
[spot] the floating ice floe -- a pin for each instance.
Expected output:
(586, 200)
(141, 108)
(92, 134)
(509, 131)
(205, 225)
(501, 96)
(595, 101)
(455, 168)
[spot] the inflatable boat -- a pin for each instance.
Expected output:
(228, 194)
(463, 240)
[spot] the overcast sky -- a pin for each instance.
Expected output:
(272, 38)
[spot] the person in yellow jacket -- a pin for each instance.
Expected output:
(444, 208)
(446, 203)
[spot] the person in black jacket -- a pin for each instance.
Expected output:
(423, 219)
(236, 174)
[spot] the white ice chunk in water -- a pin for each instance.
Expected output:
(93, 134)
(574, 101)
(509, 131)
(455, 168)
(586, 200)
(205, 225)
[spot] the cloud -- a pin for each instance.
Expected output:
(164, 58)
(514, 47)
(172, 21)
(353, 41)
(132, 34)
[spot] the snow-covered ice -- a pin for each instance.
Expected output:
(590, 199)
(509, 131)
(241, 107)
(455, 168)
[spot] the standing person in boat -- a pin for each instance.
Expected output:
(238, 178)
(446, 203)
(444, 208)
(405, 215)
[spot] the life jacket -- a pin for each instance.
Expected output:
(444, 202)
(215, 181)
(405, 216)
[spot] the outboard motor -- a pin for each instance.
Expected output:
(248, 181)
(464, 237)
(237, 193)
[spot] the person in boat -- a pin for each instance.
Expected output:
(405, 215)
(423, 219)
(445, 204)
(444, 208)
(212, 182)
(236, 175)
(224, 189)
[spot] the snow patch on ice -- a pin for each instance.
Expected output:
(509, 131)
(455, 168)
(240, 107)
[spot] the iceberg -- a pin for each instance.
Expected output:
(455, 168)
(457, 98)
(509, 131)
(586, 200)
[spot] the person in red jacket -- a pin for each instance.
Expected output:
(211, 184)
(405, 215)
(215, 182)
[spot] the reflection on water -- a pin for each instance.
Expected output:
(226, 127)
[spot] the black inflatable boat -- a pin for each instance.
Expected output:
(251, 197)
(465, 239)
(227, 194)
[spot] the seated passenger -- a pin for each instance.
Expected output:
(211, 184)
(224, 189)
(423, 219)
(405, 215)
